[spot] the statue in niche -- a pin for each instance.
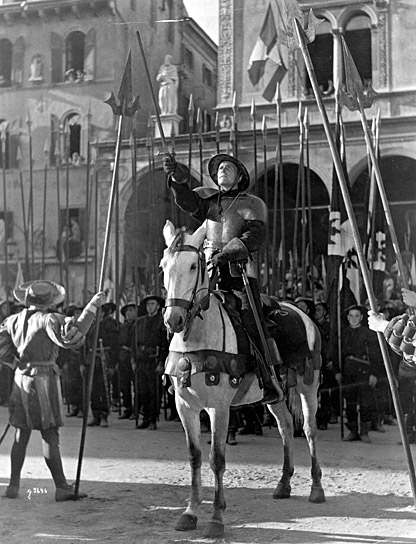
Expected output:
(36, 69)
(168, 92)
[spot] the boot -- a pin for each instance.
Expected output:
(365, 427)
(74, 412)
(353, 436)
(104, 420)
(95, 421)
(126, 414)
(231, 439)
(273, 393)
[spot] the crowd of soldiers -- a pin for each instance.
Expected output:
(41, 346)
(130, 359)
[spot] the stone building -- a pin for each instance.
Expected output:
(59, 62)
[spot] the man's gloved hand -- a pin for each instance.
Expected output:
(219, 259)
(169, 163)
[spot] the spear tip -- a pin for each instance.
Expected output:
(253, 108)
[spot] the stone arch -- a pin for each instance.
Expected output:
(154, 206)
(320, 200)
(346, 14)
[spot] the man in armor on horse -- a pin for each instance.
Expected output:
(236, 230)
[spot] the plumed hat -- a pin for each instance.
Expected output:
(40, 293)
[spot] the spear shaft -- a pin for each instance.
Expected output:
(6, 256)
(281, 189)
(100, 288)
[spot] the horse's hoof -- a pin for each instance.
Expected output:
(282, 491)
(186, 523)
(214, 529)
(317, 495)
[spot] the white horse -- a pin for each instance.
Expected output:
(205, 368)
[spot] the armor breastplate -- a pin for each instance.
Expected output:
(223, 226)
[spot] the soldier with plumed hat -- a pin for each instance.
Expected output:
(29, 343)
(236, 226)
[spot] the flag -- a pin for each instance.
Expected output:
(340, 241)
(265, 63)
(287, 33)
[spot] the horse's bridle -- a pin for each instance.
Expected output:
(183, 302)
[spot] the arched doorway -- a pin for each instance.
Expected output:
(143, 238)
(319, 199)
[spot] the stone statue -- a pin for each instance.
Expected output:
(168, 91)
(36, 68)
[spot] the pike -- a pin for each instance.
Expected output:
(6, 256)
(58, 215)
(87, 204)
(190, 130)
(253, 115)
(357, 97)
(200, 143)
(303, 199)
(217, 132)
(266, 201)
(125, 108)
(309, 197)
(31, 203)
(45, 186)
(279, 169)
(235, 125)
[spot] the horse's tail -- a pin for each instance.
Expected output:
(295, 407)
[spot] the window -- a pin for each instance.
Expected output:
(188, 58)
(18, 59)
(11, 143)
(321, 52)
(66, 140)
(358, 38)
(206, 75)
(6, 50)
(74, 53)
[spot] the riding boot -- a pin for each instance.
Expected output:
(273, 392)
(353, 435)
(365, 427)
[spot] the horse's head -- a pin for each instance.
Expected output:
(184, 275)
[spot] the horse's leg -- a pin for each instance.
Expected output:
(284, 421)
(190, 421)
(219, 428)
(309, 399)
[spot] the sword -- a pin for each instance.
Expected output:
(266, 348)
